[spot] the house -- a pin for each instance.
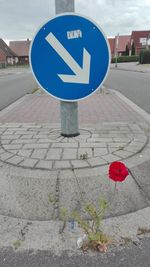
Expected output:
(22, 50)
(7, 56)
(119, 45)
(140, 40)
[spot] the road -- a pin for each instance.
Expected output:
(134, 85)
(15, 84)
(134, 255)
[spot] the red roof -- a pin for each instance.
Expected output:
(21, 48)
(137, 35)
(6, 49)
(2, 56)
(112, 45)
(122, 42)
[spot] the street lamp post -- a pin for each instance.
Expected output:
(68, 110)
(116, 50)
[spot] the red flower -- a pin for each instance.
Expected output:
(118, 171)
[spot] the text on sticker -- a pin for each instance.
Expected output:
(74, 34)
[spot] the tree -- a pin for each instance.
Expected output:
(133, 49)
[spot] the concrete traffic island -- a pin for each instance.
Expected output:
(38, 164)
(42, 172)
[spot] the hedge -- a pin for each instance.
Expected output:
(2, 65)
(125, 59)
(144, 56)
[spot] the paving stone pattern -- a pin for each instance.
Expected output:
(42, 108)
(39, 146)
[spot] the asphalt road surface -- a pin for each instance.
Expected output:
(133, 85)
(15, 84)
(134, 255)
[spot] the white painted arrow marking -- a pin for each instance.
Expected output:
(82, 75)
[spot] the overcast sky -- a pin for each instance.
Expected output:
(19, 19)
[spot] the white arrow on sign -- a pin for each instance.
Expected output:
(82, 75)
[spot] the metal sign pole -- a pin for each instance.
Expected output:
(68, 110)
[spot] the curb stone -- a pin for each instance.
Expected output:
(139, 110)
(13, 105)
(48, 237)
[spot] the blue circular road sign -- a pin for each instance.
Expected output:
(70, 57)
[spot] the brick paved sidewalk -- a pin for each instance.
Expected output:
(42, 108)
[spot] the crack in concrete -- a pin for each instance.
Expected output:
(56, 197)
(24, 231)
